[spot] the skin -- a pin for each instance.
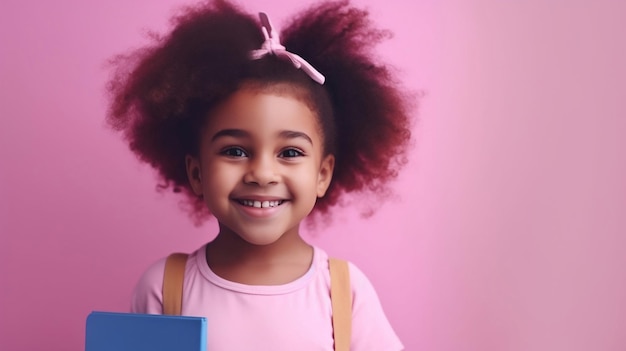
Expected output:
(265, 146)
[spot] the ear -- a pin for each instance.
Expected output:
(325, 174)
(194, 174)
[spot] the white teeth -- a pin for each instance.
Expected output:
(261, 204)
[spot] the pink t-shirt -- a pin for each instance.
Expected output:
(293, 316)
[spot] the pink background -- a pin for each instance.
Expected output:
(508, 228)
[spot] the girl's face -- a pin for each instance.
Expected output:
(261, 165)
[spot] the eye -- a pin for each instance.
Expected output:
(290, 153)
(234, 152)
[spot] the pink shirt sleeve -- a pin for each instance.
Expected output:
(148, 296)
(370, 328)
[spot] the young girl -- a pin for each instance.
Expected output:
(261, 130)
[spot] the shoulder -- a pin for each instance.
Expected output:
(147, 296)
(360, 285)
(148, 293)
(358, 279)
(364, 294)
(371, 329)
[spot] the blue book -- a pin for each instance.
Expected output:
(108, 331)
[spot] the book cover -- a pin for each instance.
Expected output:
(108, 331)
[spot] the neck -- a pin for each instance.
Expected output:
(280, 262)
(229, 248)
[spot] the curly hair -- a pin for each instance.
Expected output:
(161, 94)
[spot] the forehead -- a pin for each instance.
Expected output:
(286, 89)
(264, 111)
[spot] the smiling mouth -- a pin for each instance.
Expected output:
(261, 204)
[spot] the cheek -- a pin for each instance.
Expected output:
(219, 178)
(309, 178)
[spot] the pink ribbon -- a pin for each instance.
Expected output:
(272, 46)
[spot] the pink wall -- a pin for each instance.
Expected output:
(508, 229)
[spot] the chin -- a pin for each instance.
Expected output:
(262, 236)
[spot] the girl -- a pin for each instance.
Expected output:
(261, 133)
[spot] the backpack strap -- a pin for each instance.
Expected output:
(340, 295)
(173, 278)
(341, 302)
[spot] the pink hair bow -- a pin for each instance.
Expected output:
(272, 46)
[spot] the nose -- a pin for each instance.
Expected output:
(262, 171)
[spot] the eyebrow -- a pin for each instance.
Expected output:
(240, 133)
(235, 133)
(292, 134)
